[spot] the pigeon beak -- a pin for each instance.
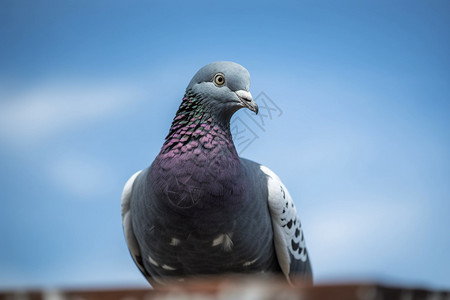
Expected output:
(247, 100)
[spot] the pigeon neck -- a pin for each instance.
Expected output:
(194, 126)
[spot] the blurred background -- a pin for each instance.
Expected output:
(358, 130)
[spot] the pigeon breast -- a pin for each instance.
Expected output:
(201, 218)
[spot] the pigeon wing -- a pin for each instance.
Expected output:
(289, 240)
(132, 243)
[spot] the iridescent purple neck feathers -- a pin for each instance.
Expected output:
(198, 166)
(195, 129)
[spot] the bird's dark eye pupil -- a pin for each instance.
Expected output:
(219, 79)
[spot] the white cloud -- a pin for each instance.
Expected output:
(30, 116)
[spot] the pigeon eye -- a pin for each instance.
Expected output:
(219, 79)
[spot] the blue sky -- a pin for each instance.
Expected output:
(362, 141)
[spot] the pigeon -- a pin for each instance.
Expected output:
(201, 210)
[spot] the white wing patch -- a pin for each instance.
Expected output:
(126, 194)
(126, 221)
(288, 233)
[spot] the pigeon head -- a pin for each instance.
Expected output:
(223, 88)
(214, 94)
